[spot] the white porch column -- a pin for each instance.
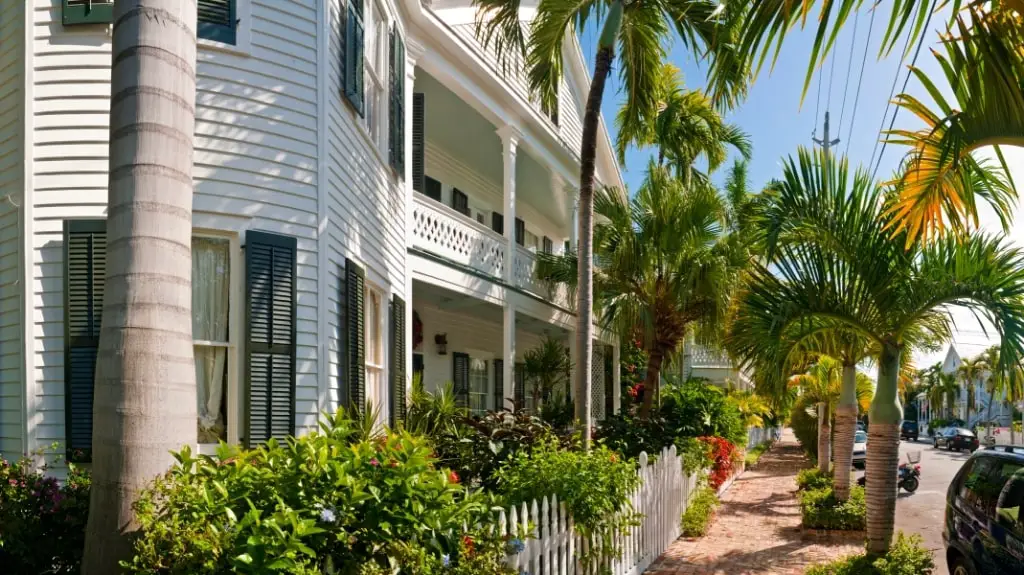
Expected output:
(413, 51)
(616, 378)
(510, 136)
(574, 231)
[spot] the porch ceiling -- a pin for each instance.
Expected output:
(458, 128)
(424, 293)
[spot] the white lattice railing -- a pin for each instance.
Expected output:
(701, 356)
(552, 547)
(441, 230)
(525, 270)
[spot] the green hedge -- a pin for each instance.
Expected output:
(812, 478)
(905, 557)
(821, 510)
(697, 517)
(754, 455)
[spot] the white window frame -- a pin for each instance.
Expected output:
(236, 294)
(377, 392)
(376, 74)
(488, 359)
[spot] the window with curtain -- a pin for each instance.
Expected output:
(211, 271)
(478, 384)
(374, 348)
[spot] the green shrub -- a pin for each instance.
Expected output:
(323, 502)
(697, 517)
(481, 554)
(630, 435)
(754, 455)
(697, 408)
(697, 455)
(42, 522)
(905, 557)
(812, 478)
(821, 510)
(805, 426)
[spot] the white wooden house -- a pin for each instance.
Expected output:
(361, 167)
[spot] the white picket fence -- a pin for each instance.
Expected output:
(758, 435)
(551, 547)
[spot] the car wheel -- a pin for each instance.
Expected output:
(959, 566)
(935, 444)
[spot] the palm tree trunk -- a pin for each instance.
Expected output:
(652, 381)
(145, 391)
(846, 429)
(824, 437)
(883, 452)
(585, 270)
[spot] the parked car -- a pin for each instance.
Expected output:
(983, 529)
(956, 438)
(908, 430)
(940, 433)
(861, 426)
(860, 449)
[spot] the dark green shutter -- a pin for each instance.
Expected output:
(519, 387)
(355, 336)
(520, 232)
(352, 70)
(460, 377)
(433, 188)
(87, 12)
(398, 336)
(498, 222)
(396, 126)
(547, 245)
(460, 202)
(418, 146)
(270, 263)
(499, 384)
(217, 20)
(85, 269)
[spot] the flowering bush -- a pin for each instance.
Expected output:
(321, 503)
(42, 522)
(725, 455)
(696, 408)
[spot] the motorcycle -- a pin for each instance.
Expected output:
(907, 475)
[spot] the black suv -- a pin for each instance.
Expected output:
(984, 527)
(909, 430)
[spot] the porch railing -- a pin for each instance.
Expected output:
(525, 278)
(701, 356)
(441, 230)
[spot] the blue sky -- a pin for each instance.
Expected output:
(777, 123)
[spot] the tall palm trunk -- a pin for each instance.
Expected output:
(824, 436)
(652, 381)
(846, 429)
(145, 394)
(883, 452)
(585, 270)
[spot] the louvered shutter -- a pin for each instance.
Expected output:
(398, 337)
(352, 70)
(519, 387)
(547, 245)
(460, 202)
(397, 116)
(418, 149)
(498, 222)
(433, 188)
(217, 20)
(270, 335)
(460, 378)
(355, 336)
(520, 232)
(87, 12)
(499, 384)
(85, 269)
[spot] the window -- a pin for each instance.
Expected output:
(1010, 501)
(211, 334)
(478, 386)
(984, 483)
(532, 242)
(374, 347)
(217, 20)
(376, 71)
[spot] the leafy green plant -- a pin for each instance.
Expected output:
(697, 455)
(754, 455)
(906, 556)
(821, 510)
(696, 408)
(42, 522)
(433, 413)
(631, 435)
(486, 443)
(546, 369)
(480, 553)
(558, 411)
(697, 518)
(326, 502)
(805, 426)
(594, 486)
(810, 479)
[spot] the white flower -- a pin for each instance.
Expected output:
(327, 516)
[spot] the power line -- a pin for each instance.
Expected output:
(906, 80)
(817, 104)
(856, 99)
(831, 75)
(849, 67)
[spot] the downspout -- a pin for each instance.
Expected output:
(322, 217)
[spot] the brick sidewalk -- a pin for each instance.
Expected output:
(757, 527)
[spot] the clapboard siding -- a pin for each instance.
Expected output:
(256, 164)
(12, 18)
(366, 205)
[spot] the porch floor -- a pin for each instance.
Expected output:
(757, 527)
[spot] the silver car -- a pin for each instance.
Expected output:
(860, 449)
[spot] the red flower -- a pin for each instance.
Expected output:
(374, 462)
(467, 542)
(613, 459)
(453, 477)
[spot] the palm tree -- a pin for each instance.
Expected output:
(664, 269)
(970, 371)
(944, 179)
(821, 385)
(145, 392)
(852, 275)
(687, 127)
(638, 31)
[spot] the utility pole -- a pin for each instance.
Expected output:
(825, 143)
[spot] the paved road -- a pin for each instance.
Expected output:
(923, 512)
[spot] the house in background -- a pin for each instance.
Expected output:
(361, 168)
(1001, 410)
(699, 361)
